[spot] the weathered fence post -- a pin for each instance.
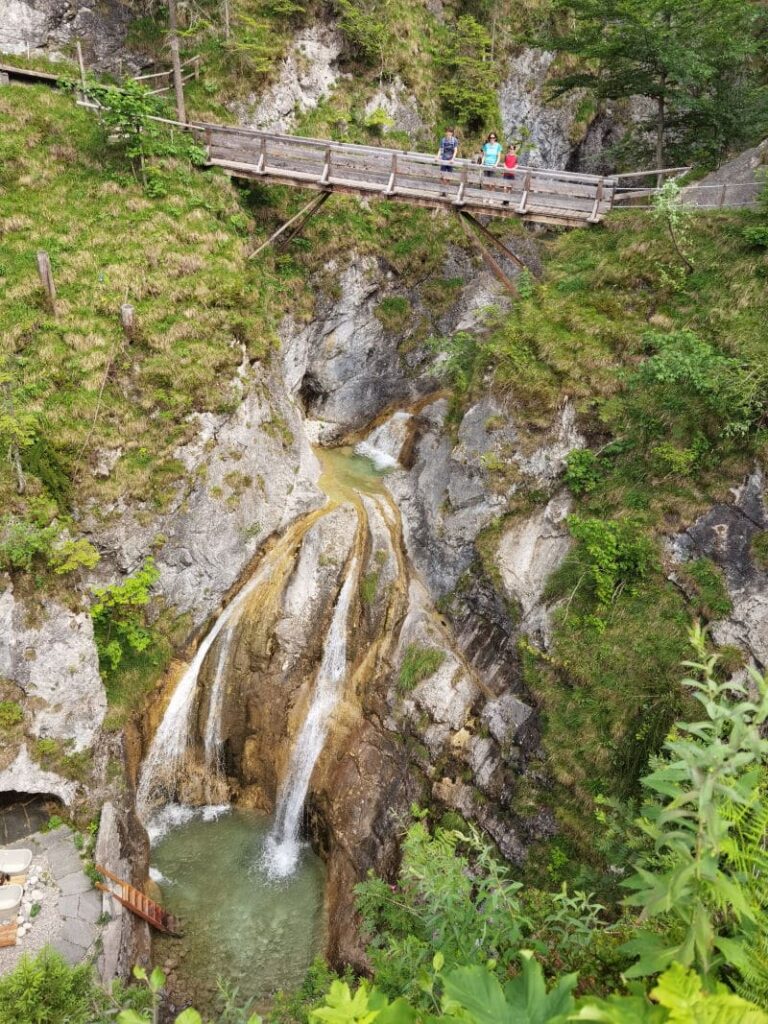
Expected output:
(82, 66)
(5, 78)
(46, 279)
(128, 321)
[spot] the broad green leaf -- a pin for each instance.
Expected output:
(477, 990)
(156, 979)
(189, 1016)
(131, 1017)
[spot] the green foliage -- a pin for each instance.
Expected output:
(452, 897)
(706, 582)
(693, 882)
(692, 58)
(676, 217)
(394, 312)
(118, 617)
(369, 587)
(759, 549)
(688, 378)
(757, 236)
(11, 713)
(468, 92)
(419, 663)
(582, 472)
(461, 361)
(366, 29)
(46, 991)
(618, 555)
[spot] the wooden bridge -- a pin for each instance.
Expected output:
(533, 194)
(538, 195)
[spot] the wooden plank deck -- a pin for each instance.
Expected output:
(533, 194)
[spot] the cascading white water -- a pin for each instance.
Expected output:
(212, 736)
(385, 443)
(281, 851)
(162, 762)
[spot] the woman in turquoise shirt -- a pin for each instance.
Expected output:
(491, 154)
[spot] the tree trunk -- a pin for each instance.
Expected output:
(660, 121)
(178, 84)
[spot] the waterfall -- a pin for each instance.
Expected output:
(282, 847)
(163, 761)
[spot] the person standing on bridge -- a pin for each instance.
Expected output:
(491, 155)
(449, 148)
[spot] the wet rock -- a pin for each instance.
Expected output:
(55, 663)
(248, 475)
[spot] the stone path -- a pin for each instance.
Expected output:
(70, 906)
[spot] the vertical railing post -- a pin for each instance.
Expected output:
(326, 167)
(390, 189)
(459, 200)
(261, 165)
(593, 217)
(524, 198)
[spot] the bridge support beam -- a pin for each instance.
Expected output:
(297, 223)
(466, 219)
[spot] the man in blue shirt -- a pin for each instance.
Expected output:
(449, 148)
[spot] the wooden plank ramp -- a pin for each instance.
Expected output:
(138, 903)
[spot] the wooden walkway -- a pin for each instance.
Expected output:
(138, 903)
(538, 195)
(533, 194)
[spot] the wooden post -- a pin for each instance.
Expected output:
(594, 217)
(5, 78)
(261, 165)
(226, 19)
(128, 321)
(82, 66)
(390, 189)
(178, 84)
(326, 167)
(46, 279)
(524, 198)
(459, 200)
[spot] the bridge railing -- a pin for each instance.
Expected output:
(416, 176)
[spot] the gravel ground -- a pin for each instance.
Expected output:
(45, 926)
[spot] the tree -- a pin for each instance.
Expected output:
(692, 58)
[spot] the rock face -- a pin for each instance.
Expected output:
(50, 27)
(455, 489)
(125, 939)
(737, 181)
(344, 365)
(308, 73)
(25, 776)
(726, 534)
(527, 555)
(550, 127)
(55, 664)
(248, 476)
(394, 102)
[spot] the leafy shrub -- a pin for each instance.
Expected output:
(581, 471)
(46, 991)
(689, 380)
(757, 237)
(452, 897)
(118, 617)
(617, 554)
(11, 713)
(419, 663)
(40, 538)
